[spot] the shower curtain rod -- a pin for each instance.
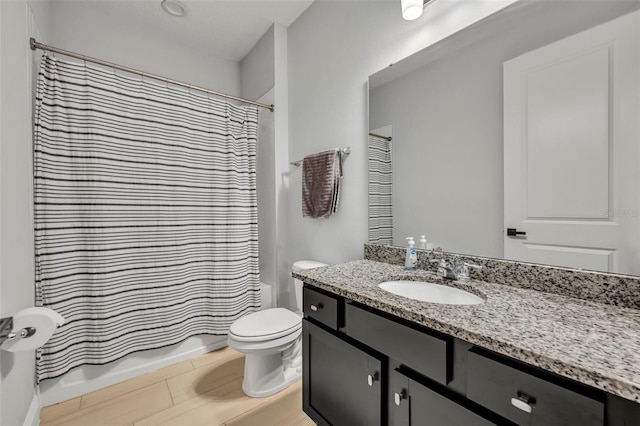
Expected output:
(389, 138)
(37, 45)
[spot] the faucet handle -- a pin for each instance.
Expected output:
(441, 262)
(464, 275)
(445, 268)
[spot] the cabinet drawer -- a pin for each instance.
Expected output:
(526, 399)
(425, 353)
(321, 307)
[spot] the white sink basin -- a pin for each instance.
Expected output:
(430, 292)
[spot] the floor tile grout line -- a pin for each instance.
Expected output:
(189, 399)
(166, 384)
(138, 387)
(81, 406)
(264, 401)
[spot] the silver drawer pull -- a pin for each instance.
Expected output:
(397, 397)
(521, 405)
(372, 378)
(315, 308)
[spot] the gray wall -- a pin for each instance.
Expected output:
(257, 69)
(264, 78)
(266, 187)
(257, 81)
(447, 122)
(17, 375)
(92, 28)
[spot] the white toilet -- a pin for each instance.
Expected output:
(271, 340)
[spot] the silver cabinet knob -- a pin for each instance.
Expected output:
(523, 402)
(315, 308)
(397, 397)
(521, 405)
(372, 378)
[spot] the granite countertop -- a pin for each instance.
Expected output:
(592, 343)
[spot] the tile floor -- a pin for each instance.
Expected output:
(206, 390)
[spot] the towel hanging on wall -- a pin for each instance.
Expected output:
(321, 175)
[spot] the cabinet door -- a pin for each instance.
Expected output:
(411, 403)
(341, 383)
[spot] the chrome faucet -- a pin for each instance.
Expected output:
(450, 271)
(445, 269)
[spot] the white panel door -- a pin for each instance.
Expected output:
(571, 150)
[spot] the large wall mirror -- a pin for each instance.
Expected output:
(528, 121)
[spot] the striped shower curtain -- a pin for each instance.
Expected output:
(380, 191)
(145, 214)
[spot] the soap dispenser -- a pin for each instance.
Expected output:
(423, 242)
(411, 259)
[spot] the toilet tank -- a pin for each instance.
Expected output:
(301, 265)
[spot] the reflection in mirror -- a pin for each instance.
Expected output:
(380, 186)
(494, 129)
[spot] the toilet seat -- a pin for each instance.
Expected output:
(265, 325)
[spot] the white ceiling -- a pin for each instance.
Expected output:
(226, 28)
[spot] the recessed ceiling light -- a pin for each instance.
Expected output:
(174, 8)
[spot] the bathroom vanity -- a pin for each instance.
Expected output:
(522, 357)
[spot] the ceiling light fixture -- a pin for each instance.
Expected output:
(412, 9)
(174, 8)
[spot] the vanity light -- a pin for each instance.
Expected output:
(174, 8)
(411, 9)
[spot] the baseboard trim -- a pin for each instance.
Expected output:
(87, 379)
(33, 415)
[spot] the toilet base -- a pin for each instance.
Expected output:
(265, 375)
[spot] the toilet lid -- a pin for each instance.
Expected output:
(266, 324)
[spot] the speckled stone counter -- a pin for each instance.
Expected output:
(593, 343)
(601, 287)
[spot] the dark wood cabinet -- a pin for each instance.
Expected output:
(365, 367)
(321, 307)
(342, 384)
(429, 353)
(527, 399)
(412, 403)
